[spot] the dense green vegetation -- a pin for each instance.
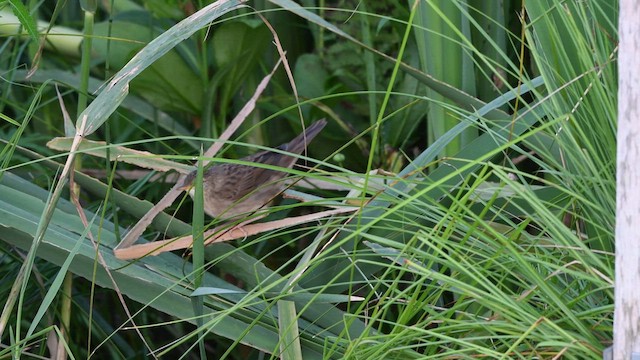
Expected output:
(474, 142)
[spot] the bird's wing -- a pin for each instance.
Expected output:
(235, 181)
(255, 177)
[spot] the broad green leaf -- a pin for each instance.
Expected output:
(169, 83)
(117, 89)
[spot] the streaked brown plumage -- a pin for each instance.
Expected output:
(231, 190)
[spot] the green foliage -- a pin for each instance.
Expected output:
(169, 84)
(491, 237)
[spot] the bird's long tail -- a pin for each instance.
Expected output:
(300, 142)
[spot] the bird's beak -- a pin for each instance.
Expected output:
(188, 188)
(186, 185)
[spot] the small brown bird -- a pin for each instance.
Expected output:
(231, 190)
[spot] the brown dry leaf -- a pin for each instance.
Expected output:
(220, 234)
